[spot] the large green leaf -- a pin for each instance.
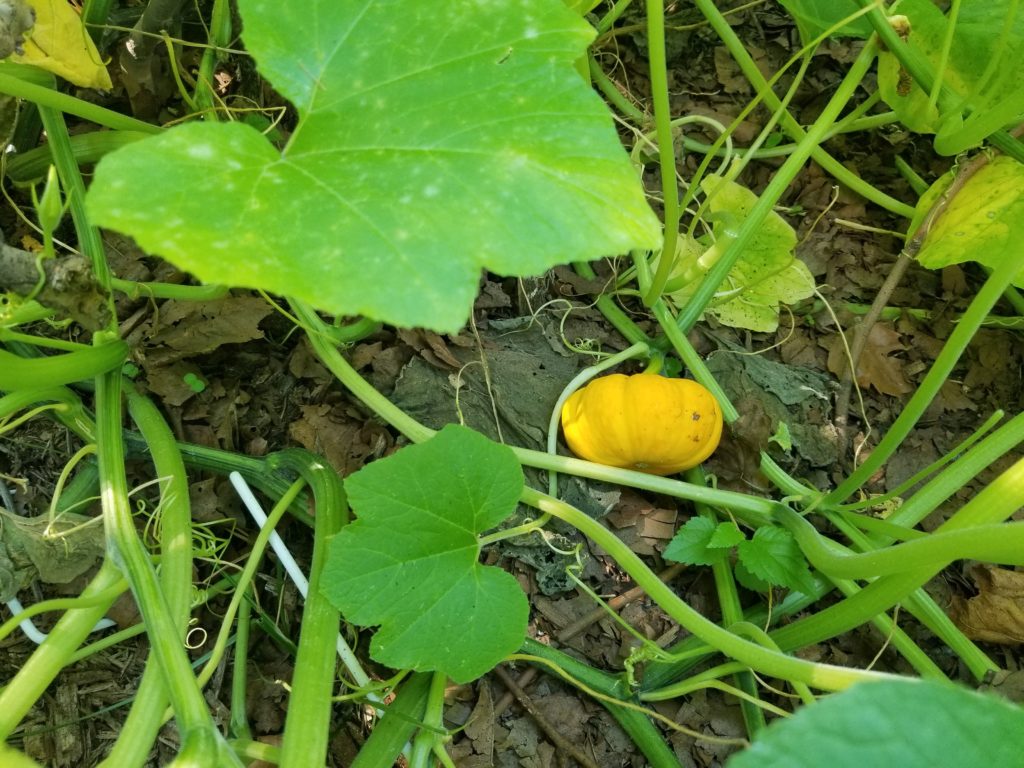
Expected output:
(983, 69)
(434, 140)
(984, 222)
(409, 563)
(905, 723)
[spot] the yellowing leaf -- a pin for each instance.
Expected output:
(984, 222)
(60, 44)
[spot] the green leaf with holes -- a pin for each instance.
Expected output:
(410, 562)
(434, 140)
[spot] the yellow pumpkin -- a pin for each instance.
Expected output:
(645, 422)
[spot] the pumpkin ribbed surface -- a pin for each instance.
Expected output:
(645, 422)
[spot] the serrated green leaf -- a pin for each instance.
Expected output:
(748, 580)
(726, 534)
(905, 723)
(773, 555)
(433, 141)
(409, 563)
(984, 222)
(767, 273)
(981, 69)
(690, 544)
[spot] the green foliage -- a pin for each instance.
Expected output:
(409, 563)
(983, 70)
(814, 17)
(766, 275)
(770, 557)
(433, 141)
(773, 555)
(984, 222)
(905, 723)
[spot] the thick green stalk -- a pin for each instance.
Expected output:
(205, 98)
(433, 721)
(960, 472)
(146, 716)
(666, 146)
(994, 504)
(307, 727)
(200, 738)
(21, 693)
(692, 360)
(954, 347)
(397, 725)
(15, 81)
(924, 609)
(732, 612)
(751, 225)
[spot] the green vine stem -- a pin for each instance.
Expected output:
(35, 675)
(994, 504)
(732, 612)
(832, 166)
(433, 724)
(201, 741)
(307, 727)
(967, 466)
(924, 609)
(89, 241)
(776, 188)
(612, 693)
(658, 69)
(146, 716)
(1002, 543)
(937, 375)
(33, 85)
(757, 657)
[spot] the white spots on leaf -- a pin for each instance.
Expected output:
(405, 199)
(431, 190)
(530, 33)
(201, 152)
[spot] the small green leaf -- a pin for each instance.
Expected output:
(433, 141)
(726, 535)
(767, 273)
(691, 544)
(984, 222)
(773, 555)
(905, 723)
(748, 580)
(409, 563)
